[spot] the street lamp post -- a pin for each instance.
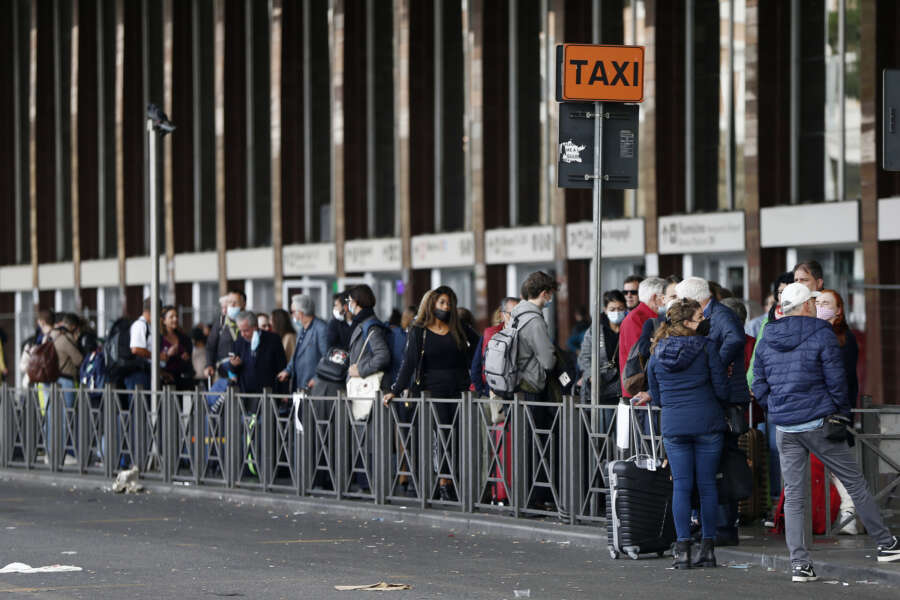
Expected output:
(158, 123)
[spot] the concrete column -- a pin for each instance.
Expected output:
(168, 210)
(401, 138)
(336, 46)
(869, 170)
(473, 47)
(756, 287)
(32, 153)
(553, 197)
(120, 197)
(646, 193)
(438, 116)
(73, 162)
(219, 84)
(275, 29)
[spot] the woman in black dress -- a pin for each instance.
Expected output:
(436, 361)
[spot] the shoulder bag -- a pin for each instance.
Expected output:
(363, 390)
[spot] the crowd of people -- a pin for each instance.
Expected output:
(684, 345)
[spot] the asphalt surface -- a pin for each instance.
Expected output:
(171, 546)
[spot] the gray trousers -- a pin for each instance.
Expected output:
(794, 449)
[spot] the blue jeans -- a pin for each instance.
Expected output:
(694, 457)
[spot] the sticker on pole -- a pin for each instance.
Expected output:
(600, 73)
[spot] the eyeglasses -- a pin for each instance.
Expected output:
(630, 292)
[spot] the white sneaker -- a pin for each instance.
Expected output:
(850, 528)
(70, 460)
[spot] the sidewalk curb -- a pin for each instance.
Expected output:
(581, 536)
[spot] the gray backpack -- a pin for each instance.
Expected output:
(500, 367)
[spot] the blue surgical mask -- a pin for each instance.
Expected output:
(233, 312)
(254, 343)
(297, 325)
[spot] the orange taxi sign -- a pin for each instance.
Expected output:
(600, 73)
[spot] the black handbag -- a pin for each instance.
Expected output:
(734, 418)
(836, 428)
(735, 478)
(333, 366)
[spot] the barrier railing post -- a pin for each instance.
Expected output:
(52, 448)
(265, 468)
(167, 434)
(378, 449)
(198, 461)
(82, 409)
(232, 436)
(4, 424)
(109, 429)
(425, 458)
(467, 464)
(571, 473)
(518, 455)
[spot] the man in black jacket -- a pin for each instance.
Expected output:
(258, 356)
(338, 334)
(223, 335)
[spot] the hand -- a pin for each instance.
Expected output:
(580, 382)
(730, 370)
(209, 371)
(235, 361)
(172, 351)
(353, 371)
(185, 356)
(641, 399)
(283, 376)
(387, 398)
(311, 383)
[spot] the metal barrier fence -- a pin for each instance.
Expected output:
(469, 454)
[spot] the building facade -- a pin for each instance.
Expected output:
(409, 143)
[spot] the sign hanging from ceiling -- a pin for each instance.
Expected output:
(600, 73)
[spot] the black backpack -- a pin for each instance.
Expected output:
(117, 355)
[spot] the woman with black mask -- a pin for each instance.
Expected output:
(436, 361)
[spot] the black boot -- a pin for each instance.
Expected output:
(707, 555)
(682, 555)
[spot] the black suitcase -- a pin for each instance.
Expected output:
(638, 509)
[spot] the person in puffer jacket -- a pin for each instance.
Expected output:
(799, 377)
(688, 381)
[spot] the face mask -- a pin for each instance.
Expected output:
(549, 301)
(297, 325)
(662, 310)
(669, 304)
(703, 327)
(233, 312)
(615, 316)
(254, 343)
(825, 313)
(337, 314)
(352, 308)
(442, 315)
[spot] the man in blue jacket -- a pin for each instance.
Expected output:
(727, 334)
(311, 346)
(799, 377)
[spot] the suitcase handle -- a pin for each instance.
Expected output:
(635, 430)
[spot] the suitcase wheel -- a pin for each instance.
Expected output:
(613, 553)
(661, 553)
(632, 555)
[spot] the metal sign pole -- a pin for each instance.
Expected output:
(154, 268)
(596, 281)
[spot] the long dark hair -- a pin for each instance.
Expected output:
(426, 314)
(680, 311)
(281, 322)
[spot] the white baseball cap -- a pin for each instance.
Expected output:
(794, 295)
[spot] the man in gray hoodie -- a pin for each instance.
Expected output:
(536, 352)
(535, 360)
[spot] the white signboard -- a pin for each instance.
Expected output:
(889, 219)
(621, 237)
(824, 223)
(519, 245)
(309, 259)
(361, 256)
(713, 232)
(443, 250)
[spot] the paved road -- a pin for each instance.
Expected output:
(170, 546)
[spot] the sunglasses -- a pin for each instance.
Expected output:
(630, 292)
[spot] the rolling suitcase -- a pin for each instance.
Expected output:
(754, 445)
(639, 503)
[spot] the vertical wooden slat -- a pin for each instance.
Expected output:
(401, 136)
(168, 209)
(757, 288)
(219, 77)
(120, 194)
